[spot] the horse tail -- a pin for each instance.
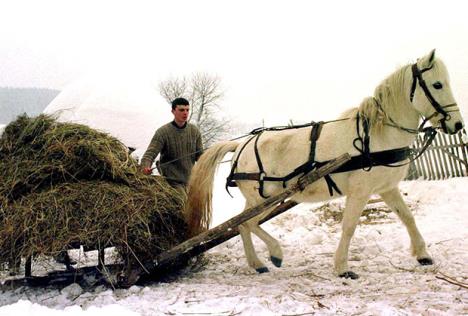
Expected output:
(198, 208)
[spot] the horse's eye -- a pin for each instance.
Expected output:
(437, 85)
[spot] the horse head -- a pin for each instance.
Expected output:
(431, 94)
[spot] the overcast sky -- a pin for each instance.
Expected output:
(278, 60)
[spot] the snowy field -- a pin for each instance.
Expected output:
(391, 281)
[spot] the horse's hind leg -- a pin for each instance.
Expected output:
(351, 214)
(395, 201)
(274, 248)
(249, 249)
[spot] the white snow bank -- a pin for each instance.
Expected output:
(130, 109)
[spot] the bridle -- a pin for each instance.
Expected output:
(439, 109)
(429, 131)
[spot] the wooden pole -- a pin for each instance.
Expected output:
(213, 237)
(230, 233)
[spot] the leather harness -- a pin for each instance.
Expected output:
(366, 160)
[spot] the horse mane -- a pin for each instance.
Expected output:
(390, 93)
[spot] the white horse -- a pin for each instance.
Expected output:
(392, 115)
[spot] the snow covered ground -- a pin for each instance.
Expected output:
(391, 281)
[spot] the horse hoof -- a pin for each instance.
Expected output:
(276, 261)
(349, 275)
(262, 270)
(425, 261)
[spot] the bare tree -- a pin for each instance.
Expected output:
(204, 93)
(173, 88)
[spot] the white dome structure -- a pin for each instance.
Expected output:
(128, 109)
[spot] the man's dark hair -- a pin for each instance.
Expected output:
(179, 101)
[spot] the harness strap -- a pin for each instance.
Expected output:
(362, 145)
(331, 185)
(365, 161)
(314, 136)
(417, 76)
(261, 173)
(261, 176)
(429, 135)
(230, 178)
(379, 158)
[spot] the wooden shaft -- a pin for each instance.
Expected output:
(205, 240)
(230, 233)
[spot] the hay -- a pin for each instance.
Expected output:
(64, 184)
(95, 214)
(40, 152)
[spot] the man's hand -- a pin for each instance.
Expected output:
(147, 170)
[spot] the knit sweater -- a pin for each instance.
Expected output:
(179, 147)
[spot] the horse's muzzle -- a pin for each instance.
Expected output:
(457, 127)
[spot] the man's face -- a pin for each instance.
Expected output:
(181, 113)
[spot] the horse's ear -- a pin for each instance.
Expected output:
(428, 60)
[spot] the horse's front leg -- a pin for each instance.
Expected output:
(351, 214)
(396, 203)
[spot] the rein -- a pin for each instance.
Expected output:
(255, 131)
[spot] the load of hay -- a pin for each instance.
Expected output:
(64, 184)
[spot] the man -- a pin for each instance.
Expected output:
(180, 145)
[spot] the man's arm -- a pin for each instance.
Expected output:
(153, 150)
(199, 150)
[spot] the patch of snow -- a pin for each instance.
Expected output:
(391, 281)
